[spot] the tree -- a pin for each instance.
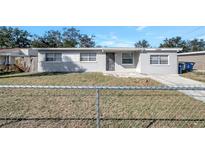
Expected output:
(5, 37)
(71, 37)
(142, 44)
(187, 46)
(196, 45)
(39, 42)
(86, 41)
(51, 39)
(14, 38)
(21, 38)
(174, 42)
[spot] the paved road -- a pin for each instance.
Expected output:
(176, 80)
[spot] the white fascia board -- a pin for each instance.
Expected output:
(163, 49)
(108, 49)
(191, 53)
(66, 49)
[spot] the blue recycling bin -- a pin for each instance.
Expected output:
(189, 66)
(180, 68)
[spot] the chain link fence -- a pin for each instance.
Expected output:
(101, 106)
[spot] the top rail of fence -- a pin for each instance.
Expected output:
(106, 87)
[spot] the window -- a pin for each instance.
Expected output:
(53, 56)
(159, 59)
(164, 59)
(127, 58)
(154, 59)
(87, 56)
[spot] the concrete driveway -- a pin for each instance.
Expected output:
(176, 80)
(169, 80)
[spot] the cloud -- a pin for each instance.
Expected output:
(112, 40)
(200, 37)
(114, 37)
(107, 43)
(110, 35)
(149, 34)
(124, 44)
(140, 28)
(161, 37)
(118, 43)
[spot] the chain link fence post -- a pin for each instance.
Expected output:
(97, 108)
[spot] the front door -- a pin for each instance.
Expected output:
(110, 61)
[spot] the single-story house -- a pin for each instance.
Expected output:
(198, 57)
(141, 60)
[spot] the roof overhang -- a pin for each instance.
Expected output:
(13, 55)
(163, 49)
(191, 53)
(18, 52)
(109, 49)
(66, 49)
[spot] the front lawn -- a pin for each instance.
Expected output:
(76, 108)
(198, 76)
(78, 79)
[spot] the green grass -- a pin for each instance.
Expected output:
(198, 76)
(74, 79)
(76, 108)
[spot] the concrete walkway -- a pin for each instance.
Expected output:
(176, 80)
(125, 74)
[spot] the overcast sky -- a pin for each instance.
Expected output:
(121, 36)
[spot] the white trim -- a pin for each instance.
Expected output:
(168, 60)
(109, 49)
(88, 58)
(88, 61)
(162, 49)
(53, 62)
(54, 53)
(191, 53)
(132, 58)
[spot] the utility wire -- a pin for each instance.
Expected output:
(202, 34)
(196, 29)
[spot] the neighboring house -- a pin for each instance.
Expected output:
(141, 60)
(197, 57)
(24, 59)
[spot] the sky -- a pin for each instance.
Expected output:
(126, 36)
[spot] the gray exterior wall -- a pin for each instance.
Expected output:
(199, 60)
(119, 67)
(147, 68)
(71, 62)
